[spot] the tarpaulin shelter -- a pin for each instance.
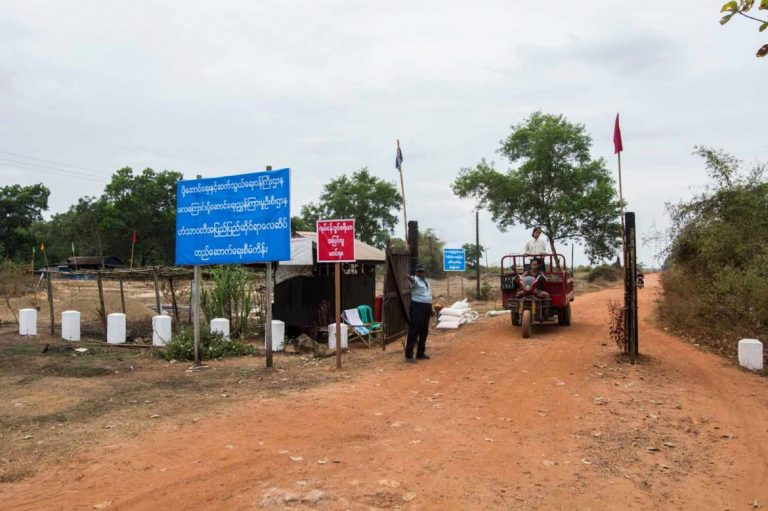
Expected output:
(304, 288)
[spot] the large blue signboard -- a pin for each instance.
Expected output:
(234, 219)
(454, 259)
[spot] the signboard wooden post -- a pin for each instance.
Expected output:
(336, 244)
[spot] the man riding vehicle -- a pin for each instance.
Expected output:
(539, 278)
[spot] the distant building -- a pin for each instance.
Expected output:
(92, 263)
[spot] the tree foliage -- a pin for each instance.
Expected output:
(431, 251)
(717, 263)
(20, 208)
(144, 202)
(741, 8)
(473, 255)
(556, 186)
(366, 198)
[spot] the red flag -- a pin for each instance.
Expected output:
(617, 145)
(133, 241)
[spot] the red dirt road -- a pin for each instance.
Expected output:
(493, 421)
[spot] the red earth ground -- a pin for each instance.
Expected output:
(493, 421)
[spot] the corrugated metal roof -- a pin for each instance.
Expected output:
(363, 251)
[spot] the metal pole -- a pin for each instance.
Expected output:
(621, 203)
(402, 190)
(337, 279)
(477, 250)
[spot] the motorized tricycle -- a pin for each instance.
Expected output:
(522, 292)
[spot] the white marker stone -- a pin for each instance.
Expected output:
(70, 325)
(751, 354)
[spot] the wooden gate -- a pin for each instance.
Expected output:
(397, 296)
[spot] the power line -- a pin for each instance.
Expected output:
(50, 170)
(48, 161)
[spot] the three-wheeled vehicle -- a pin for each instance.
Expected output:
(521, 293)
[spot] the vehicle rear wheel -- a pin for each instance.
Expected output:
(564, 316)
(515, 319)
(526, 323)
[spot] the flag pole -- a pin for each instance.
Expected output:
(618, 146)
(45, 256)
(133, 244)
(402, 189)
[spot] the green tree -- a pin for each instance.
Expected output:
(557, 186)
(145, 202)
(716, 270)
(474, 257)
(431, 251)
(20, 208)
(86, 224)
(742, 7)
(366, 198)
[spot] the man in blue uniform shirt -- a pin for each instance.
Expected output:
(420, 312)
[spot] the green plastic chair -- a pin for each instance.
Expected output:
(366, 314)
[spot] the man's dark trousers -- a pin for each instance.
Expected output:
(418, 329)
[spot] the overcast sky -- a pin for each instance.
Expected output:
(326, 87)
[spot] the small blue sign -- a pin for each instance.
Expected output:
(454, 259)
(234, 219)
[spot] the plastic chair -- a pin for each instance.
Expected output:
(366, 314)
(358, 328)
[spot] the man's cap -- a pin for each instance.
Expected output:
(420, 267)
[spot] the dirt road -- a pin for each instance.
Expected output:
(493, 421)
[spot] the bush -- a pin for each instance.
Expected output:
(607, 272)
(486, 293)
(229, 296)
(212, 345)
(716, 278)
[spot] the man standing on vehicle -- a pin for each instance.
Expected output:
(420, 312)
(535, 245)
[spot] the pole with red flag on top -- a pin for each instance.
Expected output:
(618, 147)
(133, 244)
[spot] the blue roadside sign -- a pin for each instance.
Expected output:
(234, 219)
(454, 259)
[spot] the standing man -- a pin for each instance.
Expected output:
(421, 311)
(535, 245)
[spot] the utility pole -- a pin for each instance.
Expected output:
(477, 250)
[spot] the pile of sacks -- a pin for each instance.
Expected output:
(456, 315)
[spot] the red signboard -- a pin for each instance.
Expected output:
(335, 241)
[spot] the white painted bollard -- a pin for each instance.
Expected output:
(70, 325)
(116, 328)
(28, 322)
(332, 337)
(751, 354)
(278, 335)
(161, 330)
(220, 325)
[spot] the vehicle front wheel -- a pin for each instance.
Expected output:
(526, 323)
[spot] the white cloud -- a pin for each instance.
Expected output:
(327, 87)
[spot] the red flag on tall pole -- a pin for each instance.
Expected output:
(133, 240)
(617, 145)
